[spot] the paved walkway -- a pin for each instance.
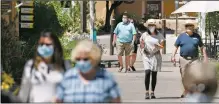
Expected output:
(169, 87)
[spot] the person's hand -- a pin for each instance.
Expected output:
(142, 44)
(173, 60)
(114, 43)
(43, 68)
(158, 45)
(132, 44)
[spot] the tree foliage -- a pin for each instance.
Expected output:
(109, 11)
(212, 21)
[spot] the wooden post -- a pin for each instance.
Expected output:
(111, 36)
(92, 20)
(83, 16)
(164, 35)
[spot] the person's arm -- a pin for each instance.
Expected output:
(116, 32)
(113, 90)
(114, 37)
(142, 41)
(161, 42)
(60, 92)
(177, 44)
(134, 34)
(203, 50)
(26, 85)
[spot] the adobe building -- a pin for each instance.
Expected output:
(157, 8)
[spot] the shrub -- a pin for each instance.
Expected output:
(14, 52)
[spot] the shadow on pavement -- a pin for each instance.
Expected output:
(137, 71)
(166, 71)
(168, 98)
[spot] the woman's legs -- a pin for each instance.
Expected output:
(153, 85)
(147, 83)
(147, 80)
(154, 80)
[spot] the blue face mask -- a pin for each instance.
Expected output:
(83, 66)
(45, 51)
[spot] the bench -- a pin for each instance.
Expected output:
(109, 63)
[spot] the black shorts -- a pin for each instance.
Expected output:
(135, 49)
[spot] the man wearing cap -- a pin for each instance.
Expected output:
(188, 42)
(124, 38)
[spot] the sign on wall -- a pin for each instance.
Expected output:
(5, 6)
(26, 25)
(28, 3)
(27, 10)
(27, 15)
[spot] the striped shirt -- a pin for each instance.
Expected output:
(102, 89)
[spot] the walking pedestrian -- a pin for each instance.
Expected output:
(124, 38)
(188, 42)
(151, 43)
(42, 73)
(135, 48)
(87, 82)
(200, 80)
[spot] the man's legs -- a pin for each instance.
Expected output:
(182, 63)
(133, 56)
(133, 59)
(128, 50)
(120, 49)
(183, 66)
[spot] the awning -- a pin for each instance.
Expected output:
(198, 6)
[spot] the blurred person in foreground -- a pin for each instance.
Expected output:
(189, 43)
(151, 43)
(200, 81)
(42, 73)
(87, 82)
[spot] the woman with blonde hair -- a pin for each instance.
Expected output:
(87, 82)
(200, 81)
(42, 74)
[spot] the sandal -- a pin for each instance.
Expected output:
(120, 69)
(127, 70)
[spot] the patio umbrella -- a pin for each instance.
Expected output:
(198, 6)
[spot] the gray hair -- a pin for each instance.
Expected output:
(201, 77)
(94, 52)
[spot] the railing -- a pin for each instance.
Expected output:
(212, 49)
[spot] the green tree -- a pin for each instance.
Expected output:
(212, 21)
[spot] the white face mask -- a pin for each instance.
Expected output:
(151, 29)
(124, 20)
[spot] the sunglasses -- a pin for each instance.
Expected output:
(82, 59)
(45, 44)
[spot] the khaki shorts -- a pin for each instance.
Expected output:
(183, 63)
(121, 47)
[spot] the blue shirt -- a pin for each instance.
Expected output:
(102, 89)
(189, 44)
(125, 32)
